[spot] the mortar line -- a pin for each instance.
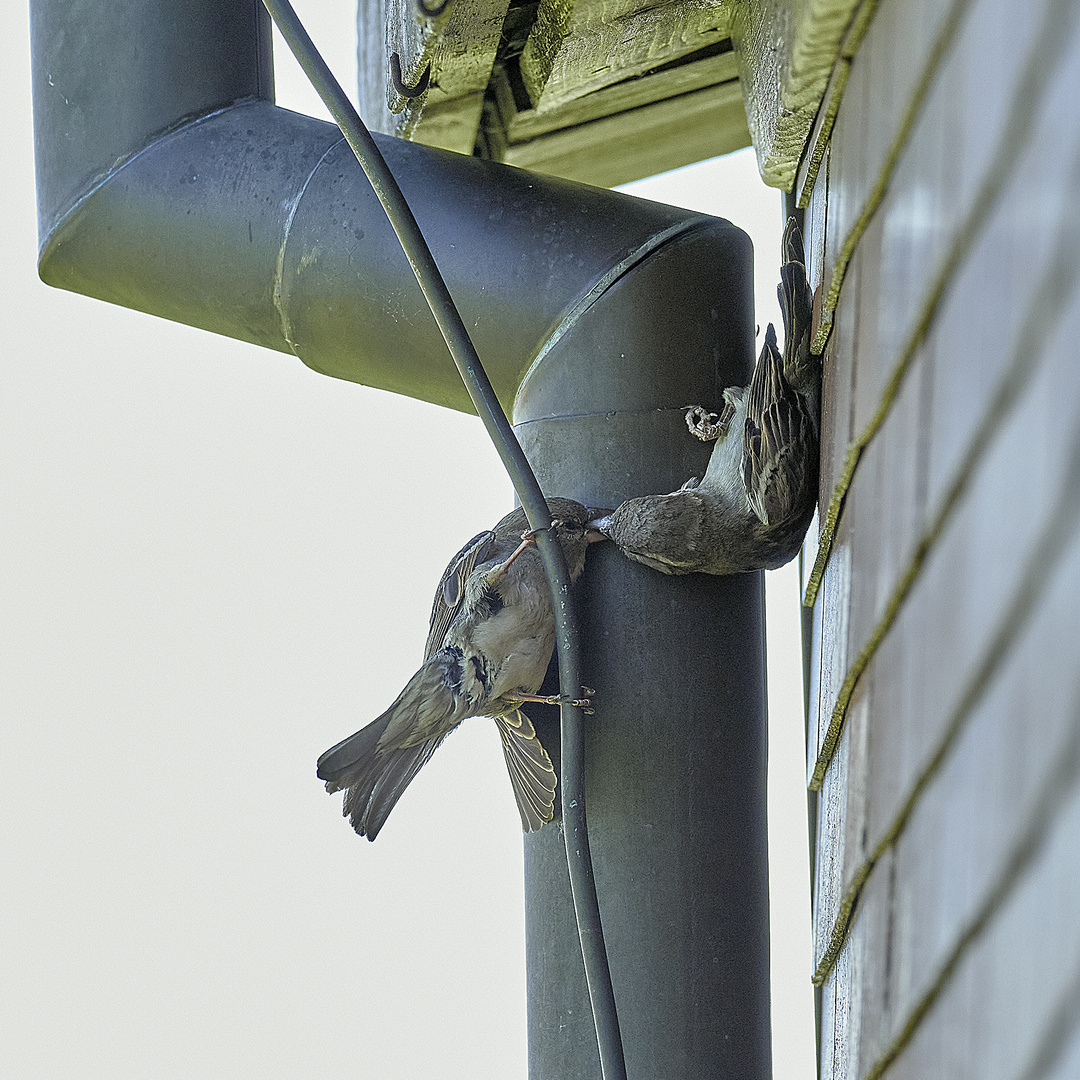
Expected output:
(1042, 63)
(1055, 1036)
(1039, 569)
(1048, 306)
(1059, 786)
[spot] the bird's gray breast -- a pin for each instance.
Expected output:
(509, 650)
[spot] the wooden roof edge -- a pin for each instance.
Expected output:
(794, 56)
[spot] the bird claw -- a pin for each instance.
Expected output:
(584, 702)
(708, 426)
(528, 540)
(529, 535)
(532, 534)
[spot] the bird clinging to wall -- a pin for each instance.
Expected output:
(753, 505)
(490, 640)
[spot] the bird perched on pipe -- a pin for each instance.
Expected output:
(491, 636)
(753, 505)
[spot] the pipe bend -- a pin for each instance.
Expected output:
(257, 223)
(665, 327)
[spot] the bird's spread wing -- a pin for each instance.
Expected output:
(779, 441)
(451, 591)
(531, 774)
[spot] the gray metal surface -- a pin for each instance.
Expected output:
(168, 182)
(675, 754)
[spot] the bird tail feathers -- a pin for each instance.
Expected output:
(375, 779)
(350, 757)
(801, 369)
(370, 799)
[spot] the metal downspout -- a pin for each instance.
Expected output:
(170, 183)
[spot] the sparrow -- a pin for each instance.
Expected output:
(752, 507)
(490, 640)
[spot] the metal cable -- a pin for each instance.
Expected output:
(578, 856)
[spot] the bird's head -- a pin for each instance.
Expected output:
(571, 524)
(660, 531)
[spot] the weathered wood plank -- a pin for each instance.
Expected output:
(932, 155)
(459, 44)
(839, 368)
(881, 522)
(641, 142)
(969, 599)
(1029, 348)
(577, 46)
(834, 596)
(372, 66)
(981, 327)
(886, 503)
(880, 62)
(670, 81)
(972, 707)
(967, 318)
(841, 828)
(451, 125)
(814, 230)
(838, 385)
(1019, 965)
(907, 666)
(846, 187)
(820, 135)
(788, 51)
(1001, 783)
(924, 231)
(814, 676)
(854, 995)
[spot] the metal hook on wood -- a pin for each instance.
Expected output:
(435, 10)
(408, 91)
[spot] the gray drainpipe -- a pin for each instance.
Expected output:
(170, 183)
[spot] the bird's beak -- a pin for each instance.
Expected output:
(597, 526)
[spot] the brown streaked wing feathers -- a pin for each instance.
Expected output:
(451, 591)
(531, 774)
(759, 445)
(796, 304)
(774, 441)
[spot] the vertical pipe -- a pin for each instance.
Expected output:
(456, 336)
(675, 754)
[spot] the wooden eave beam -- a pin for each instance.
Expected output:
(451, 53)
(578, 46)
(794, 57)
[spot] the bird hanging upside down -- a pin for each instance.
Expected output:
(491, 637)
(753, 505)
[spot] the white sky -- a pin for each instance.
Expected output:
(214, 564)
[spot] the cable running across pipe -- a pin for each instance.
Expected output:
(575, 830)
